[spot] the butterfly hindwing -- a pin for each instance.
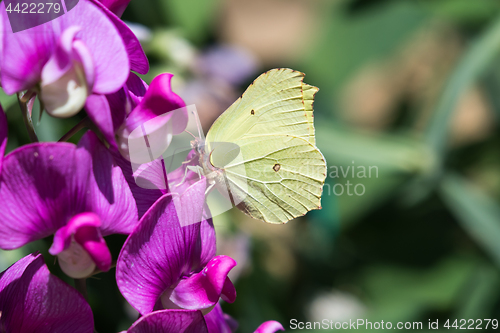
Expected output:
(277, 178)
(278, 173)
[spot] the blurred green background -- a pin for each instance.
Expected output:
(408, 88)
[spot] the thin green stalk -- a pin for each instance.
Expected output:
(28, 122)
(85, 122)
(477, 58)
(81, 286)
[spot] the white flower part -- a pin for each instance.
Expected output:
(75, 262)
(66, 96)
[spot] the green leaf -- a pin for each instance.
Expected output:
(393, 153)
(387, 159)
(478, 214)
(481, 294)
(464, 10)
(348, 41)
(399, 293)
(7, 101)
(473, 63)
(193, 16)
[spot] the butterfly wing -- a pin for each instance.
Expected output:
(279, 173)
(277, 102)
(278, 178)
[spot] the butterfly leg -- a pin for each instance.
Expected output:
(209, 188)
(195, 168)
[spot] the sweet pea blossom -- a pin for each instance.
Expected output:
(191, 321)
(76, 193)
(126, 111)
(169, 261)
(137, 110)
(86, 51)
(34, 301)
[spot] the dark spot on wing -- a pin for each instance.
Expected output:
(252, 112)
(276, 167)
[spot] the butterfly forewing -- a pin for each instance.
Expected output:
(277, 102)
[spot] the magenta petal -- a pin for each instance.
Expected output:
(166, 321)
(23, 56)
(136, 89)
(189, 205)
(85, 229)
(98, 110)
(144, 197)
(217, 321)
(156, 255)
(33, 300)
(138, 60)
(62, 237)
(109, 194)
(91, 240)
(3, 135)
(203, 290)
(269, 327)
(108, 112)
(158, 100)
(61, 59)
(108, 51)
(42, 186)
(228, 293)
(207, 235)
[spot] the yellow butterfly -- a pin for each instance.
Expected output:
(261, 151)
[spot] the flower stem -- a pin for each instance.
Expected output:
(82, 124)
(28, 122)
(81, 286)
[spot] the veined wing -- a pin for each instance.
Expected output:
(277, 102)
(278, 178)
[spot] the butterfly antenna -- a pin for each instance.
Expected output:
(194, 137)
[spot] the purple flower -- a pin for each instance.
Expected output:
(168, 260)
(34, 301)
(86, 51)
(191, 321)
(77, 193)
(147, 110)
